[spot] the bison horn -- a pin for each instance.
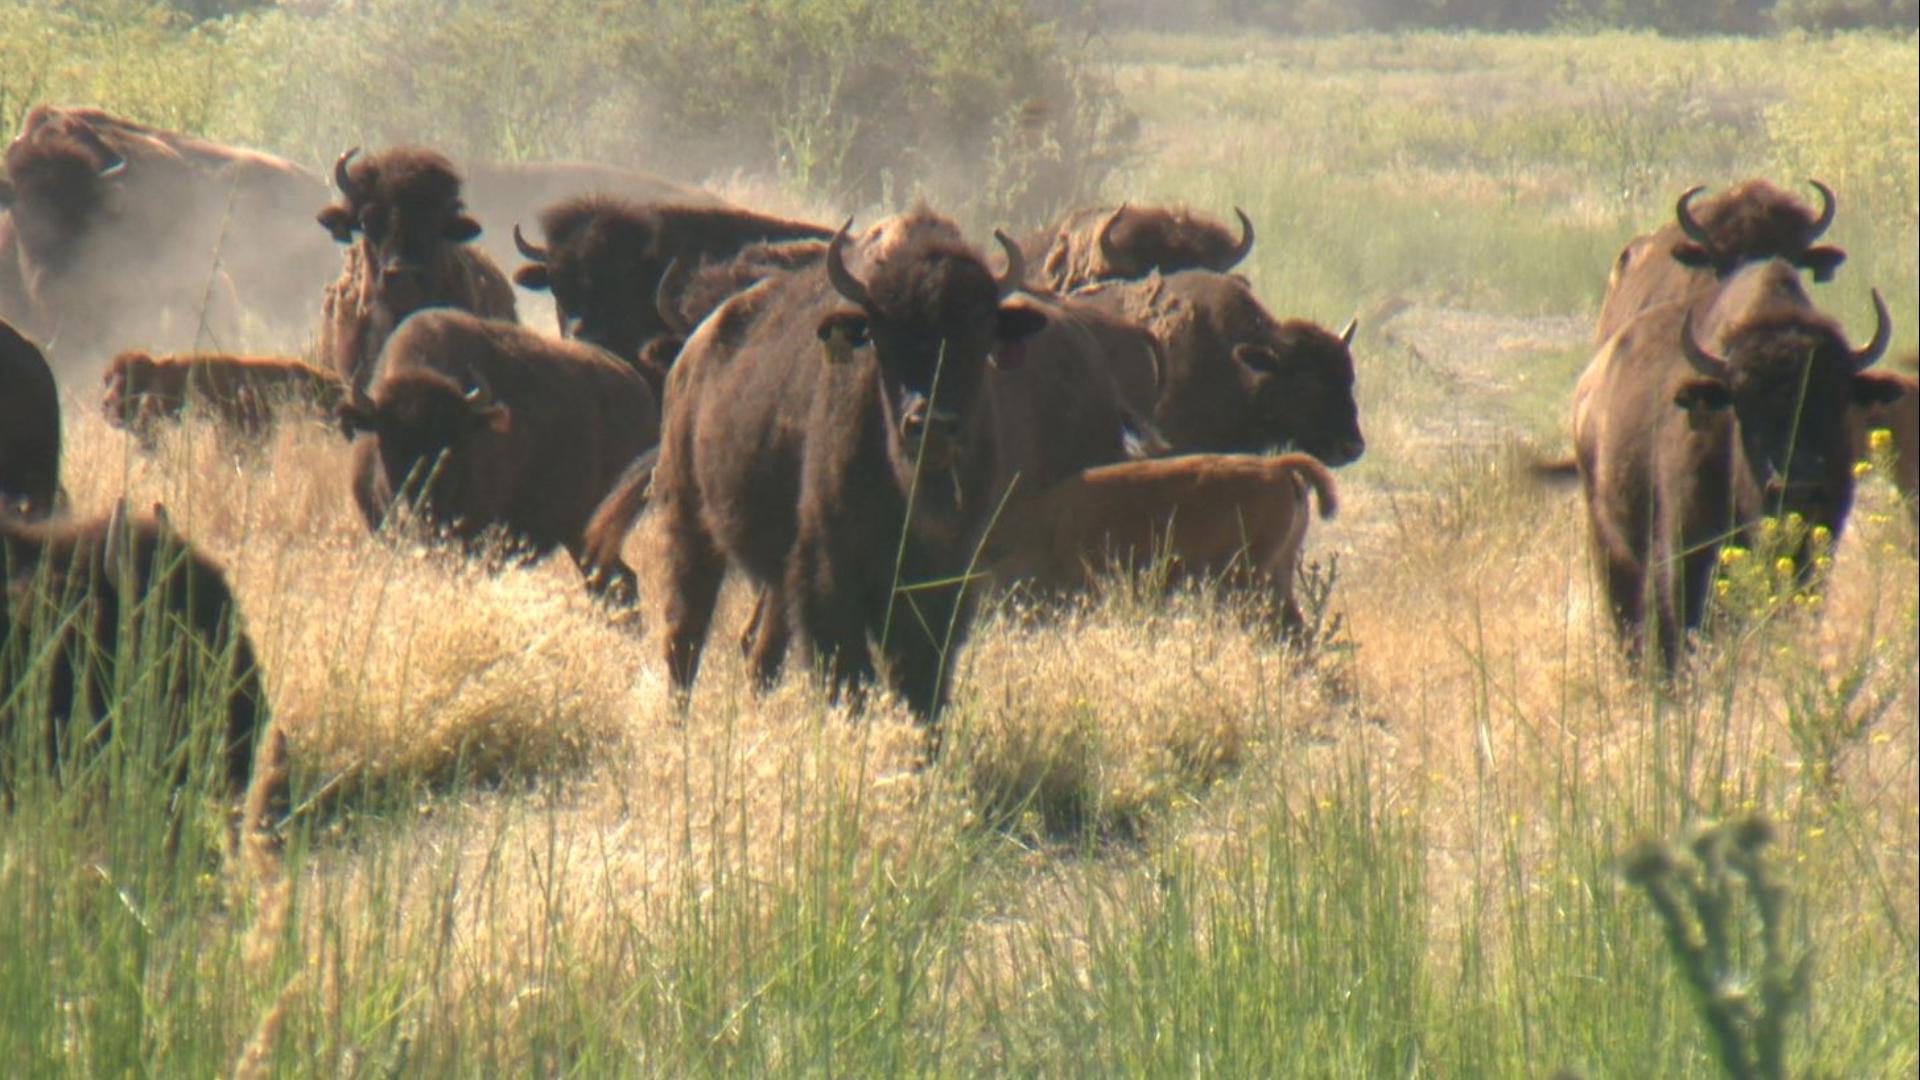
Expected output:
(1703, 361)
(113, 168)
(340, 177)
(843, 280)
(1245, 248)
(1865, 355)
(1015, 275)
(1104, 240)
(1683, 214)
(527, 247)
(671, 282)
(1346, 334)
(481, 394)
(1827, 205)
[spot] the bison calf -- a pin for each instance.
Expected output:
(114, 623)
(488, 423)
(140, 390)
(1236, 517)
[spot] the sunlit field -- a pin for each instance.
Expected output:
(1155, 841)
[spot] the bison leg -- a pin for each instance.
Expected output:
(828, 618)
(694, 568)
(919, 645)
(764, 641)
(371, 491)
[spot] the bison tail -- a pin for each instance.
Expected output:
(613, 519)
(1308, 468)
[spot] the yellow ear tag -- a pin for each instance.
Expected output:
(837, 348)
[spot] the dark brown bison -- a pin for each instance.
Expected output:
(854, 487)
(1107, 243)
(29, 428)
(1236, 379)
(112, 621)
(408, 234)
(520, 190)
(126, 232)
(606, 259)
(1688, 429)
(490, 424)
(1898, 414)
(1709, 241)
(1239, 518)
(244, 393)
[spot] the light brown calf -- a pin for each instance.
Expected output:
(1235, 516)
(240, 392)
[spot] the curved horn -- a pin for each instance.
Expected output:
(1015, 274)
(340, 178)
(1703, 361)
(1104, 241)
(527, 247)
(481, 394)
(843, 280)
(113, 168)
(669, 287)
(1865, 355)
(1683, 214)
(1827, 204)
(1346, 334)
(1245, 247)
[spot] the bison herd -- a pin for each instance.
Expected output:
(865, 424)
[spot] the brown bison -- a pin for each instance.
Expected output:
(29, 428)
(1236, 380)
(1688, 429)
(490, 424)
(109, 622)
(855, 487)
(1234, 517)
(520, 190)
(1707, 243)
(408, 236)
(123, 231)
(1899, 417)
(241, 392)
(1107, 243)
(606, 259)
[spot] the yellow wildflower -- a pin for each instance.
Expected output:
(1879, 440)
(1730, 555)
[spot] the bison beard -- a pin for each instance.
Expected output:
(889, 444)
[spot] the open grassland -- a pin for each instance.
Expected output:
(1155, 842)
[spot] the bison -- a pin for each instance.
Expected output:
(1125, 242)
(1706, 244)
(29, 428)
(1688, 428)
(240, 392)
(1235, 379)
(606, 259)
(490, 424)
(408, 234)
(1899, 417)
(114, 621)
(119, 227)
(855, 488)
(1234, 517)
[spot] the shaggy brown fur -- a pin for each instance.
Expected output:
(605, 258)
(1749, 222)
(29, 428)
(1899, 417)
(244, 393)
(408, 232)
(1107, 243)
(1681, 451)
(1236, 380)
(121, 573)
(514, 429)
(1235, 517)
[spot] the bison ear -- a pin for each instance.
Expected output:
(496, 418)
(354, 418)
(1823, 261)
(339, 221)
(841, 332)
(1018, 323)
(1700, 396)
(1688, 253)
(533, 276)
(1872, 388)
(1257, 359)
(461, 228)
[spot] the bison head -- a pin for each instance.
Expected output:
(1298, 388)
(1790, 383)
(402, 206)
(130, 394)
(1753, 221)
(599, 263)
(427, 425)
(61, 178)
(932, 318)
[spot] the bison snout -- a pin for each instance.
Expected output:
(403, 285)
(1346, 452)
(933, 431)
